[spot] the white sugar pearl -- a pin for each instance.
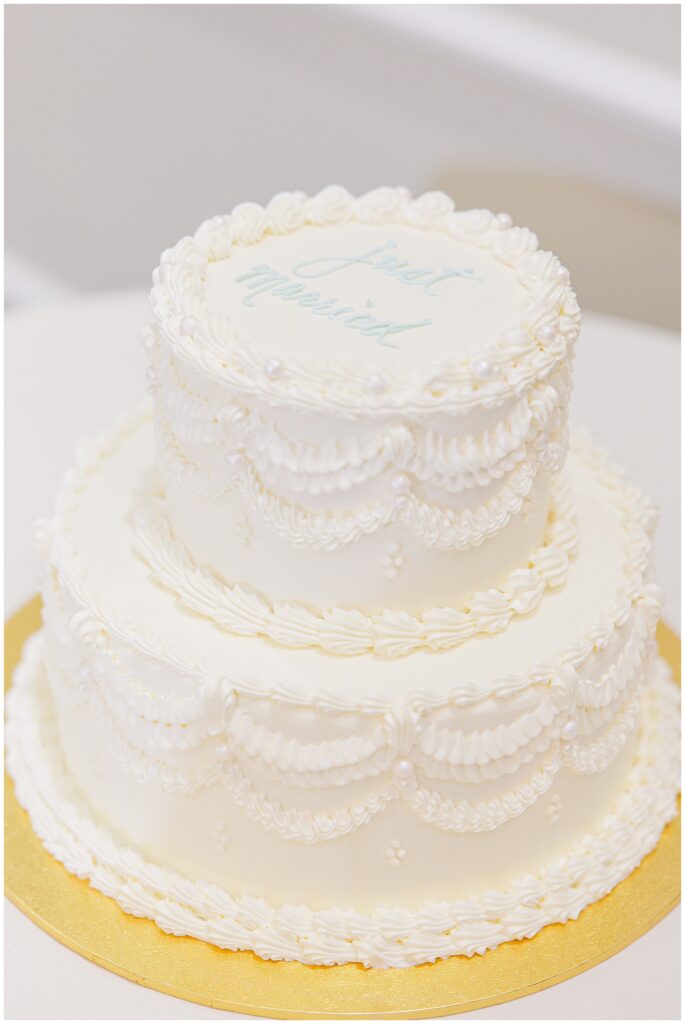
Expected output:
(482, 369)
(149, 340)
(401, 501)
(273, 367)
(187, 325)
(222, 752)
(151, 374)
(561, 274)
(504, 220)
(400, 483)
(375, 382)
(570, 730)
(394, 548)
(403, 769)
(234, 459)
(546, 333)
(42, 535)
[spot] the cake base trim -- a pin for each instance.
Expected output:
(390, 937)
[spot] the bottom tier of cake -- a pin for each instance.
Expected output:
(333, 808)
(390, 936)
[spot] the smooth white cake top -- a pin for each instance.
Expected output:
(367, 304)
(367, 292)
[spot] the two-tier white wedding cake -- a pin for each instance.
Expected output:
(346, 656)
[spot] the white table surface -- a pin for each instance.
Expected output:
(72, 368)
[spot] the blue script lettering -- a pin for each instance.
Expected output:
(388, 263)
(263, 279)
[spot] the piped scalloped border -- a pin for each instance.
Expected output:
(527, 353)
(238, 608)
(637, 512)
(390, 936)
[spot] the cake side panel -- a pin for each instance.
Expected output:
(390, 568)
(223, 786)
(397, 935)
(293, 504)
(356, 847)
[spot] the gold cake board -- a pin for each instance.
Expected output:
(93, 925)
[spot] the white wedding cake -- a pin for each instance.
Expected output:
(348, 654)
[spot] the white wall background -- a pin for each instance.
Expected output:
(127, 125)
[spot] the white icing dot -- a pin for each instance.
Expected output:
(42, 535)
(149, 340)
(554, 809)
(235, 459)
(400, 483)
(375, 382)
(187, 325)
(403, 769)
(569, 730)
(273, 367)
(395, 852)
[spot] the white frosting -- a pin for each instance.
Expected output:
(461, 300)
(311, 761)
(391, 936)
(194, 286)
(614, 527)
(334, 434)
(359, 613)
(239, 608)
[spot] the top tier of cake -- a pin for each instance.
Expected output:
(359, 402)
